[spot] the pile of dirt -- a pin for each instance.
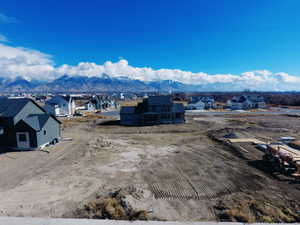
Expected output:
(114, 206)
(247, 208)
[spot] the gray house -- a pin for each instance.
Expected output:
(25, 125)
(153, 110)
(95, 103)
(60, 106)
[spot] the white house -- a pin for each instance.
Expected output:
(60, 106)
(208, 101)
(246, 102)
(196, 106)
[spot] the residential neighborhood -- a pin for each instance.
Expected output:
(149, 112)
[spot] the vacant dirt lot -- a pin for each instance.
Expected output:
(173, 172)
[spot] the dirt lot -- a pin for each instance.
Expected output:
(173, 172)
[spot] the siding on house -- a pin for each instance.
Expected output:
(49, 132)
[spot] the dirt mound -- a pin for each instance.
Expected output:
(114, 206)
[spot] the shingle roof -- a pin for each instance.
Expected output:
(160, 100)
(58, 99)
(37, 121)
(11, 107)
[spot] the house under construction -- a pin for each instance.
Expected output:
(153, 110)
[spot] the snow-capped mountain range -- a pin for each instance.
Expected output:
(103, 83)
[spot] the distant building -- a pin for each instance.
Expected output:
(60, 106)
(25, 125)
(245, 102)
(208, 102)
(95, 103)
(153, 110)
(196, 106)
(98, 102)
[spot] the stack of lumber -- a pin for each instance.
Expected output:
(249, 140)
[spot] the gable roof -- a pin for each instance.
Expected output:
(37, 121)
(58, 99)
(11, 107)
(160, 100)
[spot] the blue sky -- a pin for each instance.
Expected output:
(210, 36)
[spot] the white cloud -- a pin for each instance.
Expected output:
(32, 64)
(286, 78)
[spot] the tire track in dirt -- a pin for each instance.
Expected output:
(188, 177)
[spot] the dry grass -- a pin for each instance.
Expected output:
(240, 122)
(112, 207)
(130, 103)
(71, 121)
(249, 209)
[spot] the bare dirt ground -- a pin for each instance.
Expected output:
(179, 172)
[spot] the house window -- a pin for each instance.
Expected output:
(45, 132)
(22, 137)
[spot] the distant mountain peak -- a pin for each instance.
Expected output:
(103, 83)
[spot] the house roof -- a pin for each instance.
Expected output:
(252, 98)
(160, 100)
(37, 121)
(198, 103)
(128, 109)
(11, 107)
(58, 99)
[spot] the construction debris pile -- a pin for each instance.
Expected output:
(282, 156)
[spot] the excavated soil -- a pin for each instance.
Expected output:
(185, 172)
